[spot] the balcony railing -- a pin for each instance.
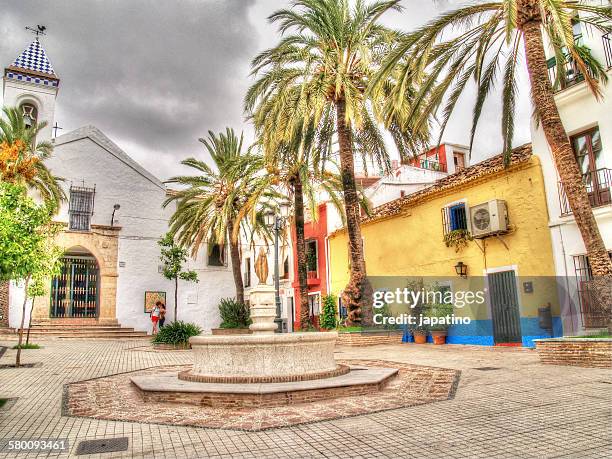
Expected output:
(573, 75)
(597, 184)
(607, 46)
(432, 165)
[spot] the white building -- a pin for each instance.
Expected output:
(113, 219)
(588, 122)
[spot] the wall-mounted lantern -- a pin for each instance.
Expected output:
(461, 269)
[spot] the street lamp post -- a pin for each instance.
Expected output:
(277, 223)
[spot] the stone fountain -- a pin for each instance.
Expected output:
(263, 368)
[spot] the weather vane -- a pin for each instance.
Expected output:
(39, 30)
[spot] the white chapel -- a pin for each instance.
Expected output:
(113, 219)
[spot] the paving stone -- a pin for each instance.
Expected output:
(542, 410)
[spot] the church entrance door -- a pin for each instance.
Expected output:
(75, 291)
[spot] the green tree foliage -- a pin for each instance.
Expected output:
(26, 241)
(22, 158)
(173, 258)
(327, 318)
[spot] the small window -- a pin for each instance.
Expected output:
(247, 272)
(454, 218)
(216, 255)
(459, 160)
(312, 261)
(286, 268)
(81, 208)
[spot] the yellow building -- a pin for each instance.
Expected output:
(509, 259)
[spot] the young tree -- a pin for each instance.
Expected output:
(26, 242)
(173, 258)
(37, 287)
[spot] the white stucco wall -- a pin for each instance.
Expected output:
(118, 180)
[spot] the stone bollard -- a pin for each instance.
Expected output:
(263, 310)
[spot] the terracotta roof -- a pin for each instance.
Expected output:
(489, 166)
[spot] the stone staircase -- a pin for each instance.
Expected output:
(80, 329)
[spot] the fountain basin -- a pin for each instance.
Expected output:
(280, 357)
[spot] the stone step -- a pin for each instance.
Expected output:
(112, 335)
(65, 328)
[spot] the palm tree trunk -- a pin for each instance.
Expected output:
(357, 296)
(563, 154)
(300, 243)
(236, 266)
(23, 311)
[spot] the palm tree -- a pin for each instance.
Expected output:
(22, 158)
(218, 201)
(319, 72)
(296, 168)
(490, 33)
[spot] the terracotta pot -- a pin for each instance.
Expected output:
(419, 337)
(312, 274)
(438, 337)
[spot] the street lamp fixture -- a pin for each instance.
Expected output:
(461, 269)
(277, 223)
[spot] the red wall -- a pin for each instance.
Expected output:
(317, 231)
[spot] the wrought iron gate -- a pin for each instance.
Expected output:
(75, 291)
(504, 307)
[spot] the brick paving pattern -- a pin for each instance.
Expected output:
(523, 410)
(116, 398)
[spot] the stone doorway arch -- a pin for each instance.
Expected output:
(75, 291)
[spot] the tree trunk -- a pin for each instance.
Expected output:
(30, 321)
(300, 243)
(236, 263)
(23, 311)
(175, 298)
(357, 296)
(563, 154)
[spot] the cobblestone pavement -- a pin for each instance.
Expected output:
(518, 409)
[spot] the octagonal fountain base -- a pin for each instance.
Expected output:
(169, 388)
(263, 358)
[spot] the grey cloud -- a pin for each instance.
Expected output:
(156, 75)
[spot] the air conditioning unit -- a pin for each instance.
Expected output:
(489, 218)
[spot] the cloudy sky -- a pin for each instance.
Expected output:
(157, 75)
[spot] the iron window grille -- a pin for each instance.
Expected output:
(454, 218)
(594, 314)
(81, 207)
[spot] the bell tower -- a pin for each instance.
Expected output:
(31, 84)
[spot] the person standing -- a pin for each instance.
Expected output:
(155, 317)
(162, 314)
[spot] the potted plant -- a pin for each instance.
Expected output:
(235, 318)
(439, 329)
(327, 320)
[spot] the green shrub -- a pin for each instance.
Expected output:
(176, 333)
(234, 314)
(26, 346)
(327, 319)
